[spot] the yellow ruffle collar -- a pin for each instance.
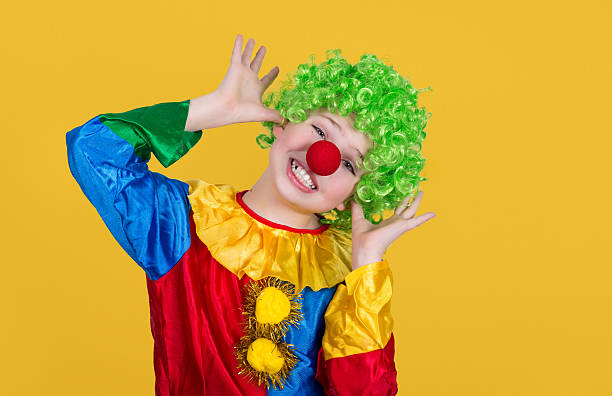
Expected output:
(245, 245)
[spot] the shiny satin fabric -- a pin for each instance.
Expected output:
(246, 246)
(358, 321)
(145, 211)
(196, 316)
(370, 373)
(158, 129)
(195, 300)
(358, 318)
(196, 320)
(307, 341)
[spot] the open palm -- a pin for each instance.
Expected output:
(372, 240)
(241, 87)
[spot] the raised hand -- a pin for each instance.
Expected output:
(238, 97)
(370, 241)
(241, 87)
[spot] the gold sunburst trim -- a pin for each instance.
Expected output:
(252, 298)
(270, 307)
(249, 347)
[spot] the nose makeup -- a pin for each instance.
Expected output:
(323, 157)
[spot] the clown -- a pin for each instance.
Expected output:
(281, 288)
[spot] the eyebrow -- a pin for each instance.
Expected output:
(340, 128)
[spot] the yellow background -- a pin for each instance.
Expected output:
(505, 292)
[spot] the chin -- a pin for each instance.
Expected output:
(307, 201)
(304, 201)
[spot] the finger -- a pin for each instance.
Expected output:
(268, 78)
(401, 226)
(403, 206)
(356, 210)
(409, 212)
(248, 51)
(270, 115)
(357, 217)
(237, 49)
(256, 64)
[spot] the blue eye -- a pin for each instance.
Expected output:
(348, 165)
(320, 132)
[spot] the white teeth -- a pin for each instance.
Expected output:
(302, 175)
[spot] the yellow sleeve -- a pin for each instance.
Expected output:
(358, 319)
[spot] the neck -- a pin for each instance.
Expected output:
(264, 199)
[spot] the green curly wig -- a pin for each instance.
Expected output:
(385, 108)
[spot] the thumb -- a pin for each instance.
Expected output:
(268, 78)
(353, 207)
(271, 115)
(356, 211)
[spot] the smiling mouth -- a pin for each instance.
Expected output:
(301, 176)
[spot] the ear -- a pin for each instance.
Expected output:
(278, 129)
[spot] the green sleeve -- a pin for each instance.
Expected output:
(159, 129)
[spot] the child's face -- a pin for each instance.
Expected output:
(293, 141)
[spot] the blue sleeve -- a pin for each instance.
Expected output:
(146, 212)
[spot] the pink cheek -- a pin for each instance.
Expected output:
(337, 187)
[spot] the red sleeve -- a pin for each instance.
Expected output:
(357, 355)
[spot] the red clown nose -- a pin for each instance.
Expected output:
(323, 157)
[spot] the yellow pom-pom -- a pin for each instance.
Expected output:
(272, 306)
(263, 355)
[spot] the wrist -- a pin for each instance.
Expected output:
(361, 258)
(208, 111)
